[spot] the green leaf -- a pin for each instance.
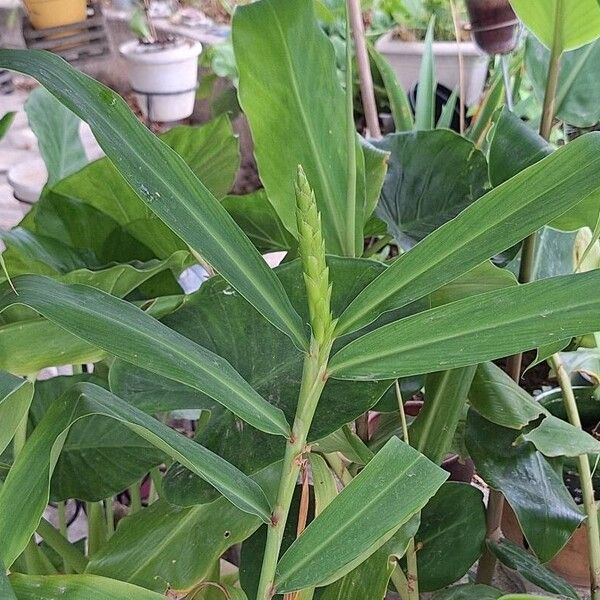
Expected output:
(5, 122)
(577, 83)
(448, 112)
(554, 437)
(432, 176)
(76, 587)
(29, 479)
(531, 484)
(99, 458)
(401, 111)
(495, 222)
(425, 107)
(468, 591)
(15, 399)
(580, 20)
(165, 183)
(518, 559)
(451, 536)
(432, 432)
(57, 131)
(293, 101)
(258, 220)
(495, 396)
(515, 145)
(6, 590)
(323, 482)
(459, 334)
(483, 278)
(339, 538)
(165, 546)
(125, 331)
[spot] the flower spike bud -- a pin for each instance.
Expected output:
(312, 252)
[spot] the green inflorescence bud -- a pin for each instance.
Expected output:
(312, 251)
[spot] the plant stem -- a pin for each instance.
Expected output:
(412, 573)
(351, 143)
(110, 517)
(314, 377)
(72, 557)
(585, 476)
(135, 497)
(461, 67)
(61, 509)
(400, 582)
(337, 466)
(364, 69)
(96, 526)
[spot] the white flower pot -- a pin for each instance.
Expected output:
(164, 77)
(405, 58)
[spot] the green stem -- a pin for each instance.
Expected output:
(96, 526)
(136, 499)
(400, 582)
(71, 556)
(585, 476)
(61, 509)
(412, 572)
(314, 376)
(380, 244)
(110, 517)
(351, 143)
(337, 466)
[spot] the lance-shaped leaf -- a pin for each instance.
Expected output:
(28, 482)
(76, 587)
(15, 398)
(496, 221)
(125, 331)
(391, 489)
(479, 328)
(165, 183)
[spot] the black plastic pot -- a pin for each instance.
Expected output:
(494, 25)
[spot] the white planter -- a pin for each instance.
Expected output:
(405, 58)
(164, 77)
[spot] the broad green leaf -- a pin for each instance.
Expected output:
(76, 587)
(165, 546)
(518, 559)
(258, 220)
(498, 220)
(495, 396)
(5, 122)
(483, 278)
(432, 176)
(468, 591)
(323, 482)
(432, 432)
(460, 333)
(391, 489)
(554, 437)
(165, 183)
(399, 104)
(425, 105)
(293, 101)
(28, 481)
(99, 458)
(531, 484)
(15, 399)
(57, 131)
(580, 20)
(577, 81)
(6, 590)
(514, 146)
(125, 331)
(451, 536)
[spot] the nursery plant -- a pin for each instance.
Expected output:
(281, 362)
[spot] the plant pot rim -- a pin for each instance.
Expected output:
(160, 53)
(387, 43)
(556, 391)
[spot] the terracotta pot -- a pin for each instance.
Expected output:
(494, 25)
(45, 14)
(571, 562)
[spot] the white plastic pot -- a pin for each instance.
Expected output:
(164, 77)
(405, 58)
